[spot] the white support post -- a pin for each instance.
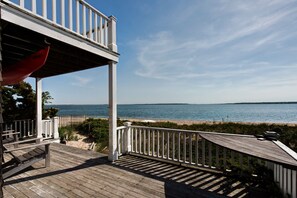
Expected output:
(56, 129)
(113, 155)
(39, 107)
(128, 137)
(112, 35)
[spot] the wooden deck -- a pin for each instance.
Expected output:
(79, 173)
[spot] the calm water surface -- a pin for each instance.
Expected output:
(286, 113)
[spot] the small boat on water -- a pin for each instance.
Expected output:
(13, 74)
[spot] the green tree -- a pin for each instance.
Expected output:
(19, 102)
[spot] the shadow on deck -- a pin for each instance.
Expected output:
(79, 173)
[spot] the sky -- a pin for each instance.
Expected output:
(202, 52)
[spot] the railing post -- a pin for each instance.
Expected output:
(56, 128)
(39, 107)
(112, 42)
(128, 137)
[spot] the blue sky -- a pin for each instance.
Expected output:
(193, 51)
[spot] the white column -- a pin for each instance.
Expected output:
(127, 137)
(113, 155)
(112, 34)
(39, 107)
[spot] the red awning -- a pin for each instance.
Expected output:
(14, 74)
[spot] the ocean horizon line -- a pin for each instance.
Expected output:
(227, 103)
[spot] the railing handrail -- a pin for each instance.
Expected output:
(191, 131)
(79, 18)
(94, 9)
(122, 127)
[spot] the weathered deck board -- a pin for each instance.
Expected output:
(79, 173)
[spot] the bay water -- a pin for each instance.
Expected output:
(278, 113)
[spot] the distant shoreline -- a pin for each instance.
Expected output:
(236, 103)
(190, 122)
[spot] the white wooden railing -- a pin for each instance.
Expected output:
(188, 147)
(75, 16)
(50, 128)
(27, 128)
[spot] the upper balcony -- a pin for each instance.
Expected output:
(80, 36)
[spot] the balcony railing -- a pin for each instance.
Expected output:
(27, 128)
(189, 147)
(75, 16)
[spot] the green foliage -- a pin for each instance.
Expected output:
(19, 102)
(97, 129)
(67, 134)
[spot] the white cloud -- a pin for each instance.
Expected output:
(240, 41)
(81, 81)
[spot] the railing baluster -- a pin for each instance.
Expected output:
(168, 145)
(77, 17)
(158, 142)
(132, 139)
(105, 34)
(63, 13)
(290, 181)
(22, 3)
(140, 140)
(118, 142)
(217, 157)
(203, 152)
(163, 146)
(149, 142)
(285, 181)
(153, 136)
(136, 141)
(240, 160)
(185, 147)
(25, 128)
(101, 31)
(84, 22)
(122, 141)
(173, 146)
(34, 6)
(224, 158)
(277, 173)
(178, 150)
(96, 27)
(190, 147)
(294, 184)
(70, 14)
(90, 36)
(209, 154)
(232, 157)
(144, 141)
(281, 181)
(196, 150)
(44, 9)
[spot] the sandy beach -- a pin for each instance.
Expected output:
(190, 122)
(67, 120)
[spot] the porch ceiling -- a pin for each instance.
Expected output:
(19, 42)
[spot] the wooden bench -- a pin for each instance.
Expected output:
(37, 152)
